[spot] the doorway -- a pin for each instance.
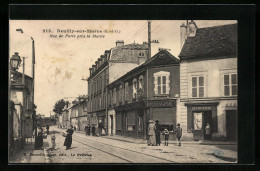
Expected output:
(231, 124)
(207, 119)
(112, 124)
(200, 120)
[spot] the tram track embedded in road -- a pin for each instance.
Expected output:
(79, 136)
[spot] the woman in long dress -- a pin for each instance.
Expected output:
(151, 133)
(68, 140)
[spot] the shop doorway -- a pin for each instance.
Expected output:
(112, 124)
(231, 124)
(200, 120)
(207, 119)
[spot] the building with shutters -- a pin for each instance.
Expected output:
(113, 64)
(149, 91)
(208, 81)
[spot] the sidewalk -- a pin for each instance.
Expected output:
(141, 141)
(30, 155)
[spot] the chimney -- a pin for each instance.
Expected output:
(91, 70)
(192, 28)
(119, 43)
(183, 29)
(107, 52)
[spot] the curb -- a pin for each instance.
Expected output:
(230, 159)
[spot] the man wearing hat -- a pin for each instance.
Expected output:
(179, 133)
(157, 132)
(151, 133)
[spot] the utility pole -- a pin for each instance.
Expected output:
(149, 39)
(23, 70)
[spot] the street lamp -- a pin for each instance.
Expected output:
(15, 61)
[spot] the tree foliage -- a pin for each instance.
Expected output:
(59, 105)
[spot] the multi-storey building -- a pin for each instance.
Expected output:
(110, 66)
(149, 91)
(208, 81)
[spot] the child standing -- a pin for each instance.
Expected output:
(53, 141)
(179, 133)
(166, 136)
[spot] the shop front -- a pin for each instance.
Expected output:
(132, 119)
(101, 123)
(200, 115)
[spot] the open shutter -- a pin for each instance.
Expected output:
(155, 85)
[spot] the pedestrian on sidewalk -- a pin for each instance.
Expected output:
(151, 133)
(166, 136)
(39, 141)
(207, 132)
(179, 133)
(158, 133)
(53, 140)
(68, 140)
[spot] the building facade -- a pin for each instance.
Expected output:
(23, 108)
(208, 81)
(109, 67)
(149, 91)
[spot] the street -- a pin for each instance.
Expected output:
(89, 149)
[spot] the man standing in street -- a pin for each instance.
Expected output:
(179, 133)
(158, 133)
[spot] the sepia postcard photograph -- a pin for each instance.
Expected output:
(123, 91)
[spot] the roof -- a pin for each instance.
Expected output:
(124, 56)
(211, 42)
(163, 57)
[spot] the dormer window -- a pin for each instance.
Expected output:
(141, 54)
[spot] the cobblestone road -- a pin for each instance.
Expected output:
(89, 149)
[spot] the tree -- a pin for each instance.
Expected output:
(59, 105)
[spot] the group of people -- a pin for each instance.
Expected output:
(155, 131)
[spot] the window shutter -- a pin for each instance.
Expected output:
(168, 82)
(126, 91)
(155, 85)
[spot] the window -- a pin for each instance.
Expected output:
(130, 121)
(141, 54)
(162, 83)
(230, 84)
(135, 88)
(197, 86)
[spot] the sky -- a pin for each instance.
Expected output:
(62, 62)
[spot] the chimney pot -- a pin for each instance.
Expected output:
(119, 43)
